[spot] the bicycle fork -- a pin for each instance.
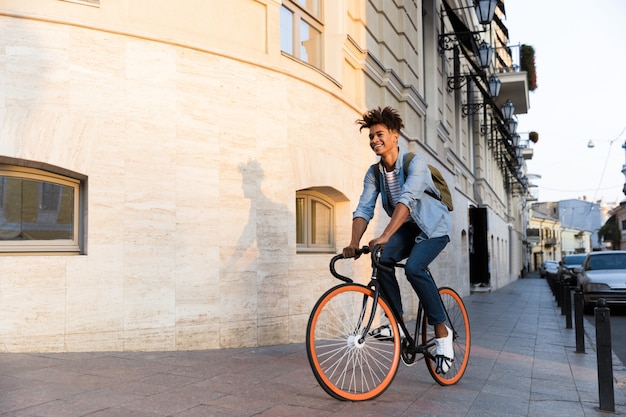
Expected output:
(372, 315)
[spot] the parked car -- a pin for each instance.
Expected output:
(603, 275)
(566, 272)
(549, 269)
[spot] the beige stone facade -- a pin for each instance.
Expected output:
(549, 243)
(192, 133)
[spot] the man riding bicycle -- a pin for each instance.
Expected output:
(418, 230)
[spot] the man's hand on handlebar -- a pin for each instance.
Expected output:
(354, 252)
(381, 240)
(351, 251)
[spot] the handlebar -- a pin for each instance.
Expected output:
(376, 253)
(359, 252)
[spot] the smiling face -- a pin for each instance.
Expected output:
(383, 140)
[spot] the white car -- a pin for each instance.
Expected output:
(549, 269)
(603, 275)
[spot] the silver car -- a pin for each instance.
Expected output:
(603, 275)
(551, 268)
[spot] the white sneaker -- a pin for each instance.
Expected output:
(444, 352)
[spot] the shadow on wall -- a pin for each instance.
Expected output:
(254, 281)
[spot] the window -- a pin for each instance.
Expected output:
(39, 211)
(301, 30)
(315, 222)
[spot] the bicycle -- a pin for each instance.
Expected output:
(350, 363)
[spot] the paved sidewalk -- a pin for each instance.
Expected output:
(523, 363)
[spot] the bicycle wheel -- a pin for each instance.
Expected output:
(458, 321)
(347, 363)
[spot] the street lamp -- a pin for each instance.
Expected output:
(516, 139)
(511, 125)
(590, 144)
(508, 109)
(485, 10)
(485, 53)
(494, 86)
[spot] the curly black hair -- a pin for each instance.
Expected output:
(387, 116)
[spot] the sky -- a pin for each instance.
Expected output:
(580, 61)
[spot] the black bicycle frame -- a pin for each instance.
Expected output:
(411, 343)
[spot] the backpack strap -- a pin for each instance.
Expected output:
(407, 160)
(408, 157)
(405, 167)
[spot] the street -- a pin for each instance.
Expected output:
(618, 330)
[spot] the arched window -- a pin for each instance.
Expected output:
(39, 211)
(315, 222)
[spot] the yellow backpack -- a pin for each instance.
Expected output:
(438, 180)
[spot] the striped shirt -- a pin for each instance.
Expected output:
(393, 187)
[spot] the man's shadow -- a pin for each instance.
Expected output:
(257, 271)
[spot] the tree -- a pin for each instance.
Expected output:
(609, 232)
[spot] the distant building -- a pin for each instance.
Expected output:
(575, 241)
(544, 236)
(575, 214)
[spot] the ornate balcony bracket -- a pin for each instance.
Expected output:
(449, 41)
(488, 129)
(458, 81)
(472, 108)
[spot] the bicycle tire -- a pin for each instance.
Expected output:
(347, 367)
(458, 320)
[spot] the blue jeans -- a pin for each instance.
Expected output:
(420, 254)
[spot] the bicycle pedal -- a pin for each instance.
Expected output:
(408, 360)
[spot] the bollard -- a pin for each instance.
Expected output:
(563, 289)
(567, 302)
(558, 293)
(605, 356)
(578, 320)
(555, 291)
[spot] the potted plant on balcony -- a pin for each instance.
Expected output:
(533, 136)
(527, 63)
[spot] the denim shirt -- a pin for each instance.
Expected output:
(430, 215)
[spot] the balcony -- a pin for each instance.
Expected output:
(515, 88)
(549, 242)
(532, 235)
(527, 153)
